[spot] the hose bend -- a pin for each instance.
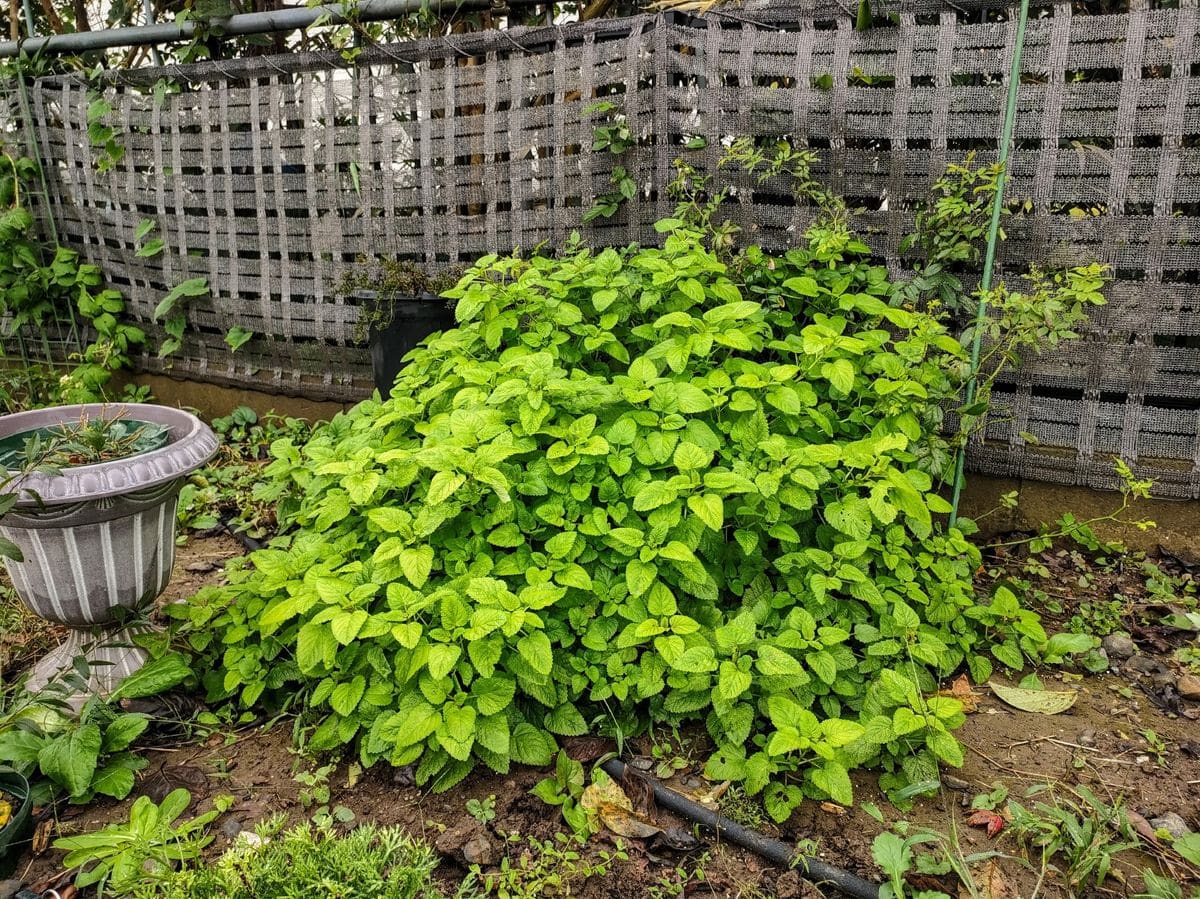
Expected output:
(812, 869)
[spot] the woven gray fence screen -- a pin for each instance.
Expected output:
(272, 176)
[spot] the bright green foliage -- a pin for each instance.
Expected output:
(1086, 836)
(122, 857)
(633, 484)
(231, 489)
(40, 281)
(82, 756)
(307, 861)
(565, 789)
(533, 869)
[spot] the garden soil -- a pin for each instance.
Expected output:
(1101, 742)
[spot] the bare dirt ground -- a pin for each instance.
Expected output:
(1100, 743)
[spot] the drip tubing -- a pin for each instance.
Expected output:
(814, 870)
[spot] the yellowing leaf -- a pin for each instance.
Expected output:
(1045, 702)
(608, 802)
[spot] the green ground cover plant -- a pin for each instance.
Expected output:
(307, 860)
(230, 490)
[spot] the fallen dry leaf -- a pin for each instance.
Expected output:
(706, 797)
(833, 808)
(1045, 702)
(608, 802)
(1142, 826)
(587, 749)
(993, 822)
(41, 836)
(990, 883)
(962, 690)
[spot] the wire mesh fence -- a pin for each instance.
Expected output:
(270, 177)
(34, 353)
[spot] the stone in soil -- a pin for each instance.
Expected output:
(480, 851)
(231, 828)
(1189, 687)
(1172, 824)
(465, 840)
(1144, 664)
(1119, 646)
(10, 888)
(1086, 738)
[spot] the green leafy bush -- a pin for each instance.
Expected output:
(80, 756)
(633, 484)
(307, 861)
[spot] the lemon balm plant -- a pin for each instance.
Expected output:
(632, 485)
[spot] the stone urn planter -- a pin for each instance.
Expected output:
(98, 540)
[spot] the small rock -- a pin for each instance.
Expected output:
(1144, 664)
(642, 763)
(405, 776)
(10, 888)
(956, 783)
(1164, 680)
(1189, 687)
(454, 840)
(1086, 738)
(200, 567)
(231, 828)
(1172, 824)
(1119, 646)
(480, 851)
(787, 885)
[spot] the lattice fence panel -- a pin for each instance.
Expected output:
(271, 176)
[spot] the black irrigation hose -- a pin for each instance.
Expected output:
(812, 869)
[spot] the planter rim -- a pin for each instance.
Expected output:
(191, 444)
(17, 786)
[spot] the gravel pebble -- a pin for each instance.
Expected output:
(480, 851)
(1189, 686)
(1172, 824)
(1119, 646)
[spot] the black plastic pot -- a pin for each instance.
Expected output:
(413, 319)
(12, 835)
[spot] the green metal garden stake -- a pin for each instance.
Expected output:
(989, 258)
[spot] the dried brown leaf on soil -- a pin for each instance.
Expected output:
(990, 883)
(1141, 826)
(709, 798)
(962, 690)
(587, 748)
(640, 791)
(42, 834)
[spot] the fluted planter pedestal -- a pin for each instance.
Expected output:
(99, 540)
